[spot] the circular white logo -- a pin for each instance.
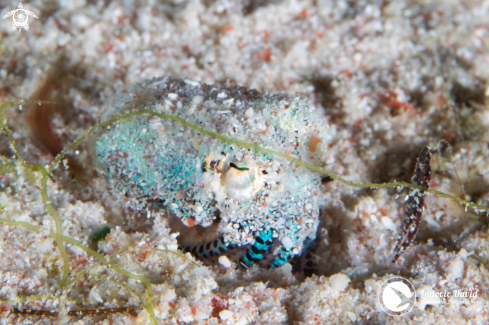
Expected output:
(20, 17)
(397, 296)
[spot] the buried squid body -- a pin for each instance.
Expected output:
(266, 204)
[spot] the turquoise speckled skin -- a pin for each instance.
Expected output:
(263, 202)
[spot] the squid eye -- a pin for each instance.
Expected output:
(233, 165)
(243, 183)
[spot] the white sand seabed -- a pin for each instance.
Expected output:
(392, 77)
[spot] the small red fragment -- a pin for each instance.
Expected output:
(449, 137)
(108, 48)
(346, 73)
(81, 260)
(396, 105)
(265, 55)
(219, 305)
(142, 256)
(313, 143)
(227, 28)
